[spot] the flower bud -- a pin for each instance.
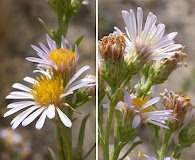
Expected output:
(187, 134)
(160, 70)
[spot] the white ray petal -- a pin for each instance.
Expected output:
(19, 95)
(51, 111)
(19, 118)
(32, 117)
(21, 87)
(16, 109)
(30, 80)
(41, 120)
(17, 104)
(76, 75)
(65, 120)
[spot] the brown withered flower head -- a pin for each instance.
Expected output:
(179, 103)
(112, 46)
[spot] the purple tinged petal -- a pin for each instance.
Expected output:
(136, 121)
(150, 102)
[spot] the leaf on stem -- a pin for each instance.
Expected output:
(52, 155)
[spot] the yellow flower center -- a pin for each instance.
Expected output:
(47, 91)
(61, 57)
(138, 102)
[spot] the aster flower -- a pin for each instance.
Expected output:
(45, 98)
(148, 41)
(60, 59)
(143, 111)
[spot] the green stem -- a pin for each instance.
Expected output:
(107, 133)
(145, 88)
(116, 150)
(67, 142)
(162, 150)
(60, 144)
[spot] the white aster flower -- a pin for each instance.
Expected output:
(45, 98)
(148, 40)
(61, 59)
(143, 110)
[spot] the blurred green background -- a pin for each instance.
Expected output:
(19, 28)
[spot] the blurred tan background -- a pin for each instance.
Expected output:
(177, 15)
(19, 28)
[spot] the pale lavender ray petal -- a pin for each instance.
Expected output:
(127, 98)
(44, 48)
(150, 102)
(38, 50)
(157, 124)
(171, 48)
(133, 25)
(139, 20)
(136, 121)
(63, 43)
(50, 43)
(35, 60)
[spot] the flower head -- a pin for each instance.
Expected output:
(142, 110)
(147, 41)
(179, 103)
(45, 98)
(112, 46)
(62, 59)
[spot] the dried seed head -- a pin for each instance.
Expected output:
(112, 46)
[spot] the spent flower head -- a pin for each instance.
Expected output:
(112, 46)
(147, 41)
(45, 98)
(180, 104)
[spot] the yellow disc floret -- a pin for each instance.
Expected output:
(47, 91)
(61, 57)
(138, 102)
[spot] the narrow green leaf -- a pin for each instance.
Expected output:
(78, 41)
(78, 152)
(130, 149)
(53, 157)
(44, 27)
(88, 153)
